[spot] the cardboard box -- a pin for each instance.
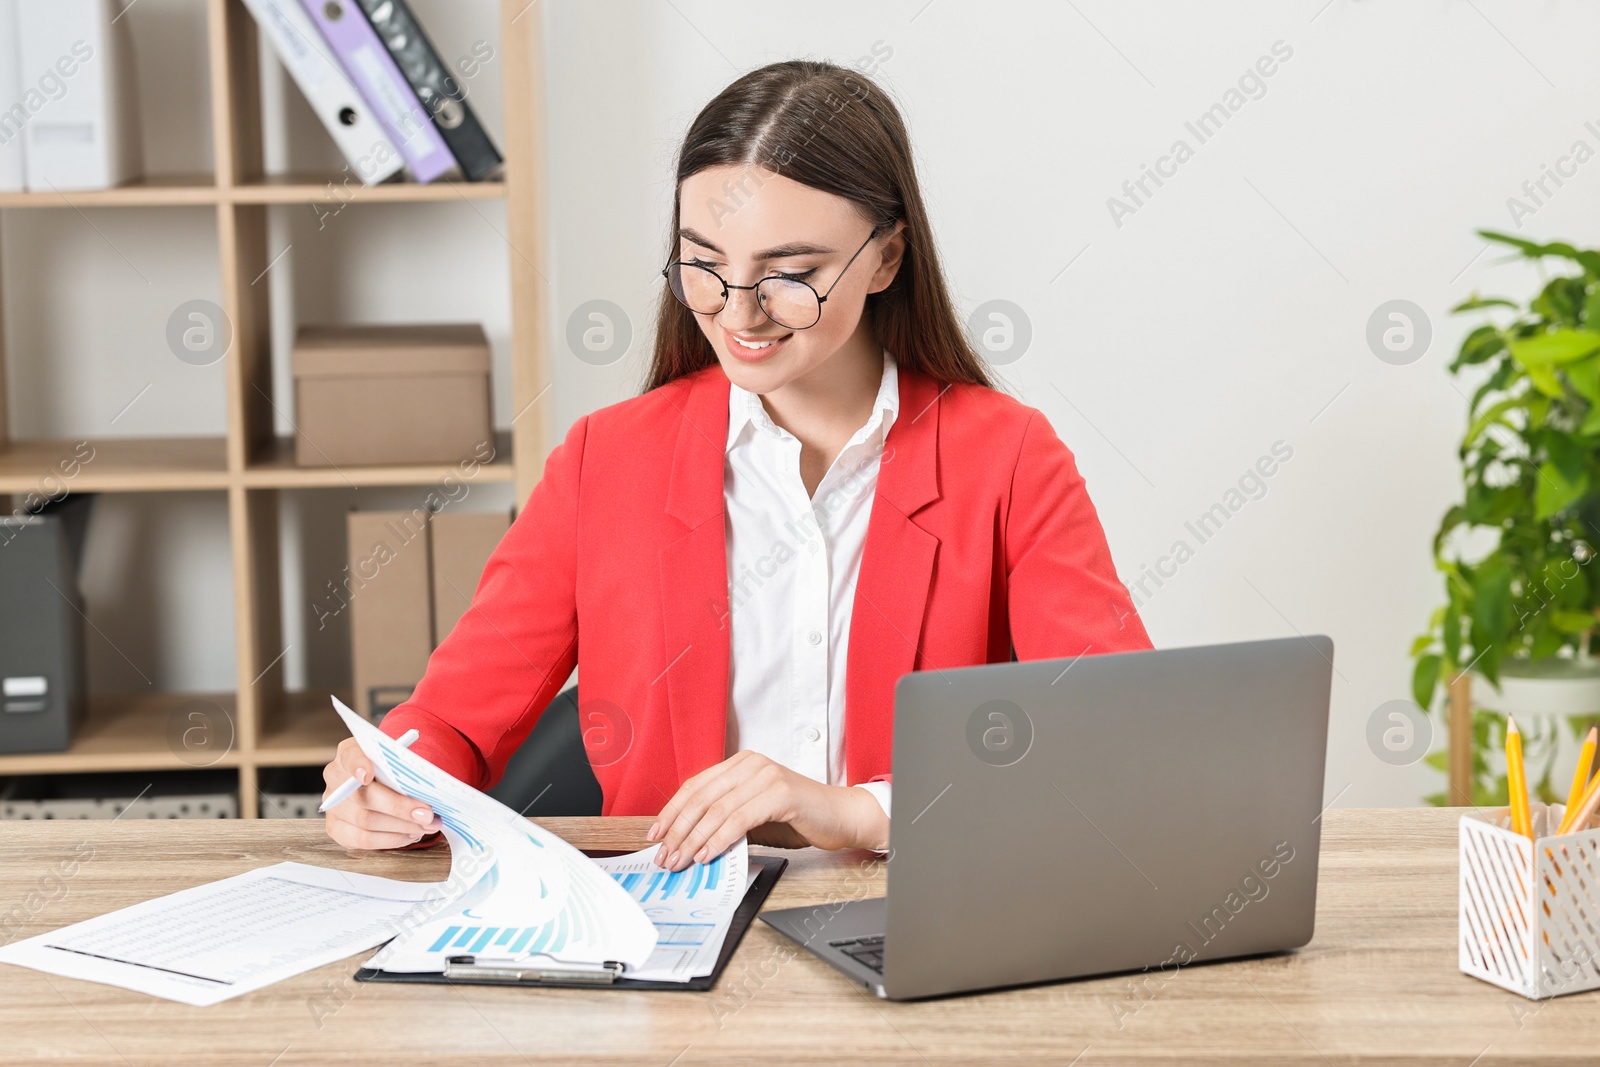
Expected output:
(462, 544)
(373, 395)
(391, 609)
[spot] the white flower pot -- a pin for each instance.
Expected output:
(1557, 686)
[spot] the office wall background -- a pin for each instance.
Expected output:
(1175, 340)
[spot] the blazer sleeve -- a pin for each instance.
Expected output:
(1064, 597)
(515, 647)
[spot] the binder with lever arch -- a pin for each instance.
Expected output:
(430, 79)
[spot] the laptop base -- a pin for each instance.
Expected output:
(824, 930)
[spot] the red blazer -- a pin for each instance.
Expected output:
(982, 536)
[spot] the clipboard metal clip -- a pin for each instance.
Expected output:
(530, 970)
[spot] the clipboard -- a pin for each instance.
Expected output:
(604, 976)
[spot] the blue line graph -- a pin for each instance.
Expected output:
(414, 785)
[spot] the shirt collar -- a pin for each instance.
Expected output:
(745, 408)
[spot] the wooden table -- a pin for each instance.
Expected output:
(1378, 984)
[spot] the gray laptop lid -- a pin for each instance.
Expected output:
(1058, 818)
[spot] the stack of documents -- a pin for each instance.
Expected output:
(691, 911)
(516, 892)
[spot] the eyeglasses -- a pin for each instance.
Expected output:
(786, 300)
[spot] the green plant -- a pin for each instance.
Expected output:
(1531, 471)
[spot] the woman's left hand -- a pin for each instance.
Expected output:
(746, 792)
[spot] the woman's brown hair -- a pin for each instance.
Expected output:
(833, 129)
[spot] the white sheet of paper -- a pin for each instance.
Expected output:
(207, 944)
(522, 879)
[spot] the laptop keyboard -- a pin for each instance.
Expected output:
(867, 951)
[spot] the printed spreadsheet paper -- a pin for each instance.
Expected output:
(207, 944)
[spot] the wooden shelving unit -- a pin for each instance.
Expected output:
(272, 727)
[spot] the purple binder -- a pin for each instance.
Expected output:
(367, 62)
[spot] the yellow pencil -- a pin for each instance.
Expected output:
(1580, 777)
(1584, 810)
(1517, 779)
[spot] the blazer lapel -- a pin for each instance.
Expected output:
(896, 575)
(694, 576)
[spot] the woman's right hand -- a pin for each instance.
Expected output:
(374, 816)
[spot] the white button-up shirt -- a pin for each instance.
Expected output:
(792, 566)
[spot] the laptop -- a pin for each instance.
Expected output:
(1062, 818)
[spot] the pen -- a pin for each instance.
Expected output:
(352, 783)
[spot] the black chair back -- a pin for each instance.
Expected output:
(550, 774)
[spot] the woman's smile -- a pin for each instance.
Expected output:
(757, 349)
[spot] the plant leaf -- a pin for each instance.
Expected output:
(1554, 348)
(1556, 491)
(1491, 416)
(1584, 374)
(1590, 261)
(1474, 302)
(1491, 611)
(1572, 622)
(1480, 345)
(1424, 680)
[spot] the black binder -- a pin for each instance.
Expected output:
(771, 867)
(430, 79)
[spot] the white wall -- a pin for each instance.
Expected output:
(1226, 314)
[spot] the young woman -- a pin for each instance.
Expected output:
(818, 491)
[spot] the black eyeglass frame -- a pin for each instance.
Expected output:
(822, 298)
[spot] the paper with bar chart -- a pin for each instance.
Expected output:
(522, 883)
(692, 909)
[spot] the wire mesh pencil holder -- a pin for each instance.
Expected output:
(1530, 910)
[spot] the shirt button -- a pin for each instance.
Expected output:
(816, 639)
(813, 734)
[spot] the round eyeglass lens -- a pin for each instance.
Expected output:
(789, 303)
(695, 288)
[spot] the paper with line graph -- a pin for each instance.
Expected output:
(524, 890)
